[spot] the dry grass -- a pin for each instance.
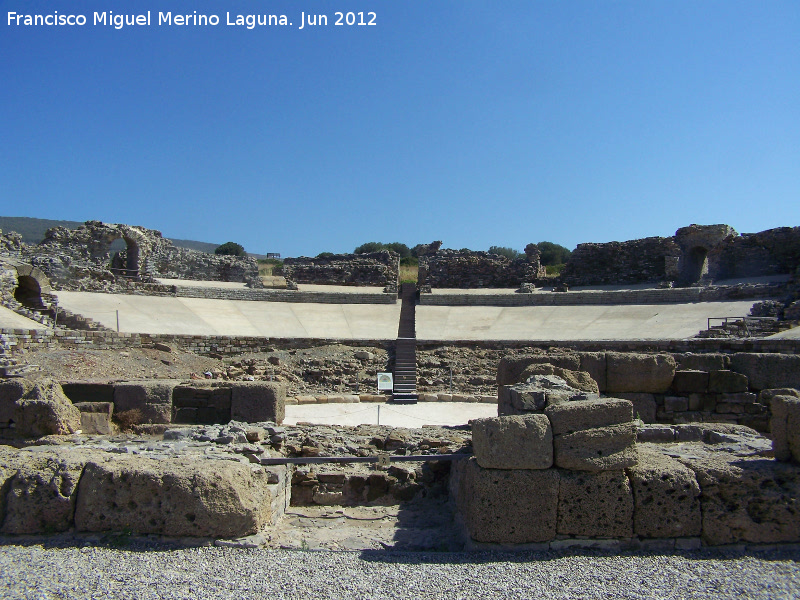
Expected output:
(126, 419)
(408, 273)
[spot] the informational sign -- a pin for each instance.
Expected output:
(385, 382)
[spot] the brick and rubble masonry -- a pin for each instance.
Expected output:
(82, 259)
(658, 259)
(377, 269)
(635, 261)
(467, 269)
(706, 485)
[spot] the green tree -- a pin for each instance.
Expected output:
(503, 251)
(230, 249)
(398, 247)
(553, 254)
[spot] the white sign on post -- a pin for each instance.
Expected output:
(385, 382)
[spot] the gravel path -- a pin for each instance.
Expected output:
(34, 571)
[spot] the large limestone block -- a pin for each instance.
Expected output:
(594, 363)
(96, 417)
(510, 368)
(258, 401)
(747, 499)
(153, 398)
(535, 394)
(203, 498)
(644, 405)
(577, 416)
(785, 428)
(37, 408)
(595, 504)
(700, 362)
(598, 449)
(506, 506)
(690, 382)
(633, 372)
(41, 496)
(766, 371)
(727, 382)
(575, 379)
(513, 442)
(666, 497)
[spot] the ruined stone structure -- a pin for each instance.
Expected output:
(472, 269)
(696, 254)
(83, 258)
(379, 269)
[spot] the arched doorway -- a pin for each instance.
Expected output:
(125, 261)
(696, 265)
(28, 292)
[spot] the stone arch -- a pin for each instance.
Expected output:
(128, 262)
(695, 265)
(31, 282)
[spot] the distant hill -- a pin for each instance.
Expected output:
(32, 231)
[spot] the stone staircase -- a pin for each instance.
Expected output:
(405, 354)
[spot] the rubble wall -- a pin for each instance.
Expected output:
(697, 253)
(636, 261)
(466, 269)
(378, 269)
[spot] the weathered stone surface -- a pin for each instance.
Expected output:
(513, 442)
(41, 496)
(575, 379)
(690, 382)
(570, 417)
(153, 398)
(633, 261)
(598, 449)
(594, 363)
(724, 382)
(506, 506)
(535, 394)
(644, 405)
(477, 269)
(257, 401)
(785, 428)
(632, 372)
(747, 499)
(96, 417)
(595, 504)
(37, 408)
(510, 368)
(766, 371)
(700, 362)
(666, 497)
(676, 403)
(370, 269)
(765, 396)
(656, 433)
(178, 497)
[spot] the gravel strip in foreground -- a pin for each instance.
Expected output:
(37, 571)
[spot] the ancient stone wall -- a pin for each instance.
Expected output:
(379, 269)
(648, 260)
(83, 258)
(184, 263)
(696, 254)
(770, 252)
(467, 269)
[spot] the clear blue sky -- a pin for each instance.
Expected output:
(475, 122)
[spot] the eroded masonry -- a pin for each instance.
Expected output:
(658, 443)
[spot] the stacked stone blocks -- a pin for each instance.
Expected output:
(560, 472)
